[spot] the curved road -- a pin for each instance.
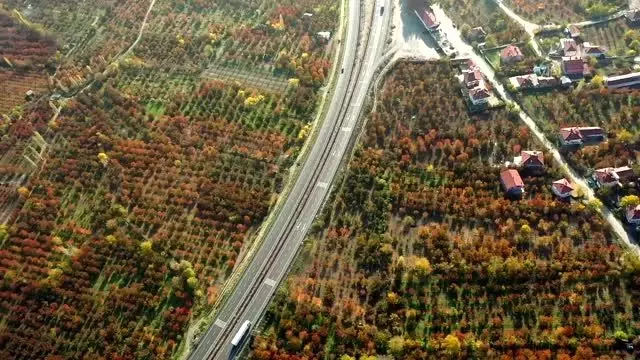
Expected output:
(272, 260)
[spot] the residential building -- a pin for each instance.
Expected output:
(531, 159)
(512, 182)
(570, 48)
(623, 81)
(579, 135)
(479, 96)
(528, 81)
(608, 177)
(472, 77)
(593, 50)
(574, 67)
(562, 188)
(533, 81)
(511, 54)
(592, 134)
(571, 136)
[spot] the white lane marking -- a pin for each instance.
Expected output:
(270, 282)
(322, 185)
(220, 323)
(346, 129)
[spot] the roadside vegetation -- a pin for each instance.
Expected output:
(420, 255)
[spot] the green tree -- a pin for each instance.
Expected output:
(396, 345)
(146, 247)
(451, 344)
(629, 201)
(625, 136)
(621, 335)
(423, 266)
(594, 204)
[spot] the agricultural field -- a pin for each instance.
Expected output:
(468, 14)
(419, 255)
(617, 112)
(26, 59)
(152, 181)
(562, 12)
(616, 36)
(16, 85)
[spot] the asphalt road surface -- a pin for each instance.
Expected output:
(272, 260)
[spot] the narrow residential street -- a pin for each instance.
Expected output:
(529, 27)
(466, 51)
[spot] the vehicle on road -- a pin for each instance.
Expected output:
(240, 336)
(381, 10)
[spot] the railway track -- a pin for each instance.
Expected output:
(308, 190)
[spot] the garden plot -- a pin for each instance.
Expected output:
(263, 81)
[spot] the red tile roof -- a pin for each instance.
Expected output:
(511, 51)
(573, 66)
(605, 175)
(572, 133)
(511, 179)
(472, 75)
(532, 158)
(479, 93)
(569, 45)
(562, 186)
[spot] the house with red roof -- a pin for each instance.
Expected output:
(532, 159)
(562, 188)
(479, 95)
(512, 182)
(574, 67)
(570, 48)
(593, 50)
(608, 177)
(472, 77)
(571, 136)
(579, 135)
(511, 54)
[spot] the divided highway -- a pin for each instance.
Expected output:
(272, 260)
